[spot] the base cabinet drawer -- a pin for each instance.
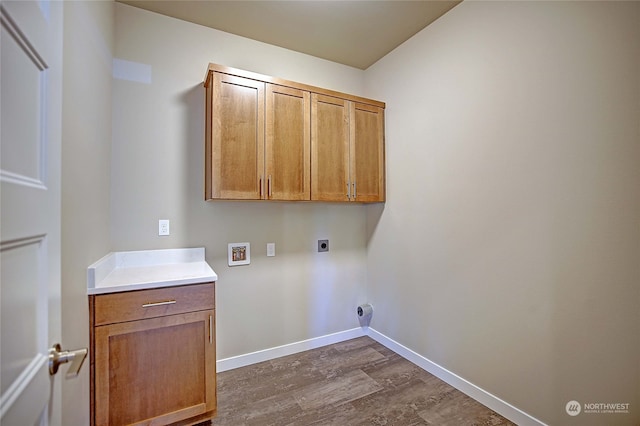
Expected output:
(142, 304)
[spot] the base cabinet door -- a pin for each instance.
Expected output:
(155, 371)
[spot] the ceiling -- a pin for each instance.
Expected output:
(351, 32)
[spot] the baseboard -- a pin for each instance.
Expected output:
(284, 350)
(501, 407)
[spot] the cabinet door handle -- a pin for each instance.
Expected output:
(348, 190)
(151, 304)
(354, 190)
(269, 186)
(210, 328)
(261, 186)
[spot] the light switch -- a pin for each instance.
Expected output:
(271, 249)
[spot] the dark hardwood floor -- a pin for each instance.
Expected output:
(357, 382)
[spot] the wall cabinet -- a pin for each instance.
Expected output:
(236, 138)
(153, 356)
(287, 143)
(347, 161)
(330, 148)
(258, 142)
(273, 139)
(366, 155)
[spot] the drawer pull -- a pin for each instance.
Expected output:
(167, 302)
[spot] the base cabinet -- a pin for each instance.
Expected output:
(153, 356)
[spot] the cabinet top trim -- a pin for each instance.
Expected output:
(282, 82)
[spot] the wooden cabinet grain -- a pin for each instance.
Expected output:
(272, 139)
(366, 153)
(329, 148)
(257, 140)
(236, 144)
(287, 144)
(347, 160)
(153, 356)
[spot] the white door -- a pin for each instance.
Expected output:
(31, 104)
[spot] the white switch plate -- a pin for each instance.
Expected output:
(271, 249)
(163, 227)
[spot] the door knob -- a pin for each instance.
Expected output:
(57, 356)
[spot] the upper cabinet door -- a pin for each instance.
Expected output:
(329, 148)
(235, 153)
(367, 153)
(287, 144)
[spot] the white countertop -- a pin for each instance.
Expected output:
(138, 270)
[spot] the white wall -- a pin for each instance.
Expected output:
(158, 173)
(508, 250)
(86, 157)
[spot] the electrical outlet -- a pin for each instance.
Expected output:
(163, 227)
(271, 249)
(323, 245)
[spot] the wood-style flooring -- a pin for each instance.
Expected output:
(356, 382)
